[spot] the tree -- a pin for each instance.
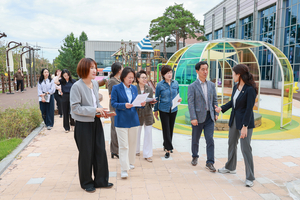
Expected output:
(158, 31)
(82, 38)
(2, 58)
(70, 54)
(182, 23)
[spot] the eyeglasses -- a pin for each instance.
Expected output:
(143, 78)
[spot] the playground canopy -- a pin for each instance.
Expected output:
(226, 53)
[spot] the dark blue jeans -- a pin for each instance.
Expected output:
(208, 126)
(47, 110)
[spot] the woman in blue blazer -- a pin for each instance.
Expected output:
(241, 122)
(127, 120)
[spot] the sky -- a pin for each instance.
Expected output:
(46, 23)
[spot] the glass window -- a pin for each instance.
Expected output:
(209, 36)
(230, 31)
(218, 34)
(292, 32)
(287, 17)
(296, 73)
(247, 24)
(294, 15)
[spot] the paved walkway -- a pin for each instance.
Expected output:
(47, 169)
(19, 98)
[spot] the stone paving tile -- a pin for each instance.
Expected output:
(172, 179)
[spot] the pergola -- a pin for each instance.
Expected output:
(226, 53)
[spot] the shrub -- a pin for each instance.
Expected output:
(19, 122)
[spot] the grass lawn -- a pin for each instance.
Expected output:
(7, 146)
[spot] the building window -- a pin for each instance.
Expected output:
(104, 58)
(291, 40)
(247, 28)
(267, 34)
(209, 37)
(230, 31)
(218, 34)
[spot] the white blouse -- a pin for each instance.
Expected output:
(94, 98)
(236, 94)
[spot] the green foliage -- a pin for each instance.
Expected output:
(2, 58)
(82, 38)
(71, 52)
(7, 146)
(159, 32)
(176, 23)
(19, 122)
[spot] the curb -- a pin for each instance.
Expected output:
(11, 157)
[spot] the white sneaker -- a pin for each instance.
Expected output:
(124, 174)
(131, 166)
(48, 127)
(223, 170)
(249, 183)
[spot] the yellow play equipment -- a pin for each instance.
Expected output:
(295, 88)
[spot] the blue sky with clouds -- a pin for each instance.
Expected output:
(47, 22)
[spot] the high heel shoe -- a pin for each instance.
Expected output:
(114, 154)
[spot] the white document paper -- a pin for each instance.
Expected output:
(175, 101)
(139, 99)
(150, 99)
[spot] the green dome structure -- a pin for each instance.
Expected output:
(222, 55)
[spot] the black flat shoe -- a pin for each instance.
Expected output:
(167, 155)
(90, 190)
(114, 154)
(109, 185)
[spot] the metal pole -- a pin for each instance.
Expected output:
(34, 72)
(7, 59)
(30, 74)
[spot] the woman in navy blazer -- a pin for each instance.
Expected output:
(127, 119)
(241, 121)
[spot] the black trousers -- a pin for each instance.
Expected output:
(167, 123)
(20, 82)
(58, 99)
(47, 110)
(67, 119)
(89, 137)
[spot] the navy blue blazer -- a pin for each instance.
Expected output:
(243, 111)
(125, 118)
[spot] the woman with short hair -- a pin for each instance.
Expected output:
(46, 89)
(126, 120)
(89, 135)
(166, 91)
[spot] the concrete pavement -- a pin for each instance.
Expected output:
(47, 169)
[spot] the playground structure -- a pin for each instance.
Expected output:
(145, 58)
(223, 54)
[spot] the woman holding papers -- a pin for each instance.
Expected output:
(145, 116)
(46, 89)
(127, 120)
(88, 133)
(166, 91)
